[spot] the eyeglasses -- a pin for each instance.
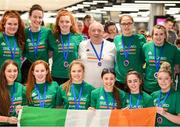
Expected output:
(126, 24)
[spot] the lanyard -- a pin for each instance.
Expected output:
(157, 61)
(107, 102)
(160, 103)
(41, 101)
(126, 51)
(65, 51)
(137, 103)
(35, 44)
(100, 54)
(10, 48)
(77, 103)
(12, 98)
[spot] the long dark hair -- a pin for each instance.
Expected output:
(115, 91)
(5, 101)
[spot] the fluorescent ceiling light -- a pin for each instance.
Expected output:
(79, 15)
(89, 3)
(100, 1)
(144, 13)
(2, 12)
(170, 5)
(121, 8)
(170, 2)
(80, 5)
(98, 11)
(139, 6)
(172, 12)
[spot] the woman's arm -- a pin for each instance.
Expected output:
(169, 116)
(10, 120)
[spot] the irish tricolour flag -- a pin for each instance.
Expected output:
(32, 116)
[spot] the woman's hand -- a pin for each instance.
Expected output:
(18, 108)
(161, 111)
(92, 108)
(12, 120)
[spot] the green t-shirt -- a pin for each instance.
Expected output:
(50, 97)
(172, 104)
(178, 85)
(46, 43)
(134, 55)
(144, 101)
(18, 93)
(169, 54)
(98, 99)
(5, 53)
(58, 69)
(67, 99)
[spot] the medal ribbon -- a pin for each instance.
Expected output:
(107, 102)
(35, 44)
(12, 98)
(11, 50)
(157, 61)
(77, 103)
(137, 103)
(126, 51)
(41, 101)
(65, 51)
(160, 103)
(100, 54)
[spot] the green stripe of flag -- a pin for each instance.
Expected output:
(35, 116)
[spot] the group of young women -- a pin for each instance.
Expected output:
(41, 91)
(24, 57)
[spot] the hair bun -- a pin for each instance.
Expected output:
(165, 67)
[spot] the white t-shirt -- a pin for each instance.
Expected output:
(88, 56)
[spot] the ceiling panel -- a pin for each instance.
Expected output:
(24, 5)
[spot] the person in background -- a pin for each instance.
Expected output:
(87, 20)
(166, 99)
(136, 98)
(39, 40)
(67, 39)
(75, 93)
(128, 50)
(96, 52)
(80, 25)
(108, 96)
(110, 30)
(156, 52)
(12, 38)
(172, 35)
(148, 37)
(177, 67)
(41, 90)
(11, 93)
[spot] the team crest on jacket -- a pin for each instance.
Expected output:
(102, 98)
(3, 43)
(149, 53)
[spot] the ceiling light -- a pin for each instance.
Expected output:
(159, 2)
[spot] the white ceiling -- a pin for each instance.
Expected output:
(24, 5)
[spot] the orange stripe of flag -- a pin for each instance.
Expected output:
(133, 117)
